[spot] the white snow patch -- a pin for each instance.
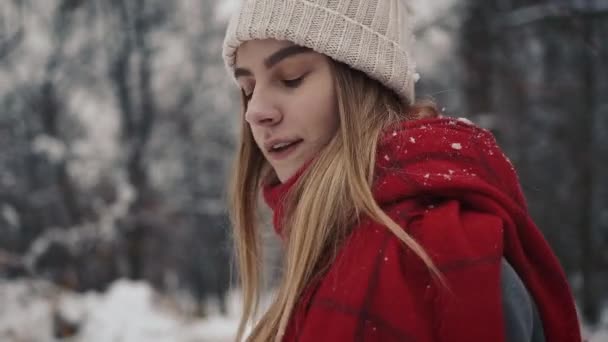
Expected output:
(10, 215)
(25, 311)
(456, 146)
(128, 311)
(53, 148)
(412, 140)
(598, 333)
(465, 120)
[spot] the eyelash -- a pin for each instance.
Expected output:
(293, 83)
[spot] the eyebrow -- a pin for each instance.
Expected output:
(275, 58)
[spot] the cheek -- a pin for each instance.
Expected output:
(257, 136)
(321, 120)
(326, 115)
(329, 120)
(317, 109)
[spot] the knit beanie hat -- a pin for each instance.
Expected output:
(373, 36)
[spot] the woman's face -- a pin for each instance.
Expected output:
(291, 103)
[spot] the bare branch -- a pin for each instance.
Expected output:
(9, 44)
(534, 13)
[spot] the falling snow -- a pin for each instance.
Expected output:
(456, 146)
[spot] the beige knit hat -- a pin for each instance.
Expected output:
(373, 36)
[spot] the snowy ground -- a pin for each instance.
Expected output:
(127, 312)
(599, 334)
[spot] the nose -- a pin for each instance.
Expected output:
(262, 111)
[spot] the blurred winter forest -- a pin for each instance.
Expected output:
(118, 124)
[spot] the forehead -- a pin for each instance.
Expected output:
(259, 52)
(257, 49)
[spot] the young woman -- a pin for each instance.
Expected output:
(398, 224)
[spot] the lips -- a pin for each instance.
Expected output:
(279, 149)
(277, 145)
(282, 146)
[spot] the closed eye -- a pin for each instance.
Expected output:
(293, 83)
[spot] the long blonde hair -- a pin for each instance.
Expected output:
(324, 204)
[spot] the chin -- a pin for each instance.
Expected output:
(284, 174)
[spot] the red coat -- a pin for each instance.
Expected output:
(449, 186)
